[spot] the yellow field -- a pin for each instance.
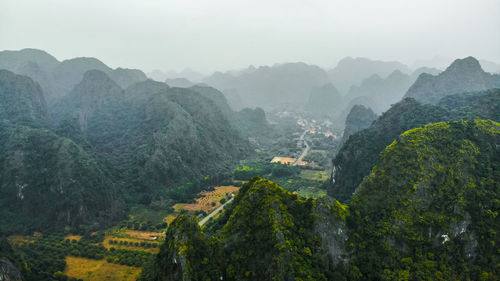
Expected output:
(204, 203)
(144, 235)
(19, 240)
(315, 175)
(283, 160)
(97, 270)
(73, 237)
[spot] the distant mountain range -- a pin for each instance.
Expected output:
(462, 75)
(269, 85)
(352, 71)
(58, 78)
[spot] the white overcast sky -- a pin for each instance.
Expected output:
(209, 35)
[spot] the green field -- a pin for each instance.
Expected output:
(314, 175)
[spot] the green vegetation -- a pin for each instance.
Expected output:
(281, 223)
(361, 152)
(45, 257)
(428, 209)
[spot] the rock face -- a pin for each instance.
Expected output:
(324, 100)
(461, 76)
(358, 119)
(426, 201)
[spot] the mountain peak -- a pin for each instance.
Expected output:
(465, 65)
(95, 75)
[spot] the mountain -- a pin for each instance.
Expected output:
(341, 116)
(96, 89)
(352, 71)
(267, 85)
(187, 73)
(297, 238)
(58, 78)
(359, 118)
(426, 211)
(21, 101)
(46, 181)
(154, 136)
(489, 66)
(462, 75)
(360, 153)
(12, 60)
(385, 92)
(324, 99)
(70, 72)
(179, 82)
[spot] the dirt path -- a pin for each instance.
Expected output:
(205, 219)
(305, 151)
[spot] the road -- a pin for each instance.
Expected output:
(305, 151)
(205, 219)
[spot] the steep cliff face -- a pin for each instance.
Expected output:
(428, 207)
(462, 75)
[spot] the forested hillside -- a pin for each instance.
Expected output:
(428, 210)
(360, 153)
(62, 166)
(47, 181)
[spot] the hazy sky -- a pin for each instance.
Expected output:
(209, 35)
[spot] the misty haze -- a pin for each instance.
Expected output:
(249, 140)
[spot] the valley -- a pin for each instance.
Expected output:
(108, 175)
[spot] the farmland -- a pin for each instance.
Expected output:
(207, 202)
(89, 269)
